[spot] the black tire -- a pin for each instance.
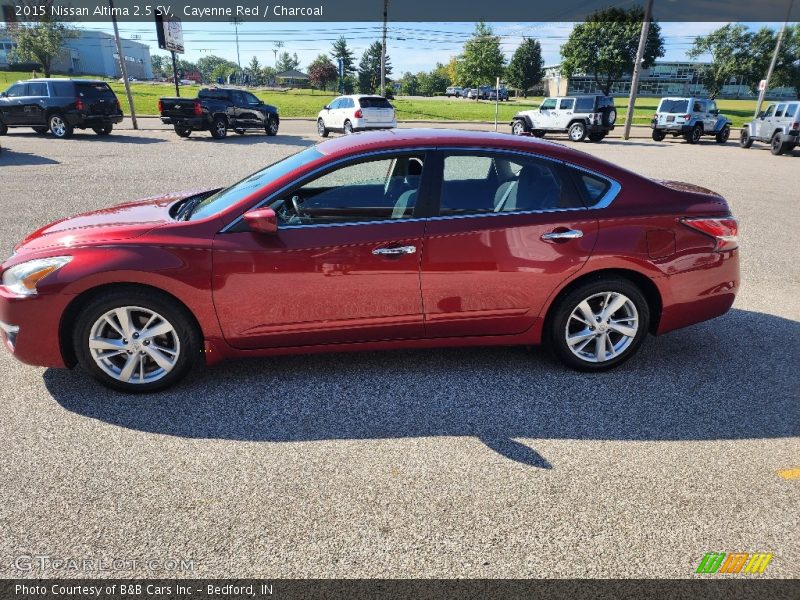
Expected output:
(59, 127)
(321, 129)
(777, 146)
(723, 135)
(183, 132)
(103, 129)
(3, 128)
(348, 128)
(219, 128)
(272, 126)
(519, 127)
(183, 325)
(596, 137)
(560, 324)
(658, 135)
(41, 130)
(577, 131)
(745, 141)
(239, 131)
(539, 133)
(694, 135)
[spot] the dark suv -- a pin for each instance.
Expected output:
(59, 106)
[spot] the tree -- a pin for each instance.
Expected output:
(729, 47)
(212, 66)
(605, 45)
(268, 75)
(162, 65)
(482, 61)
(409, 84)
(287, 62)
(788, 70)
(321, 72)
(369, 69)
(433, 82)
(42, 41)
(254, 70)
(452, 71)
(525, 69)
(341, 51)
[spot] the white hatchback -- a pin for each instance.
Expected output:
(356, 113)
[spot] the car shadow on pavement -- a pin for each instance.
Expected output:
(22, 159)
(729, 378)
(250, 139)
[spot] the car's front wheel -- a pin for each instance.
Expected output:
(59, 127)
(745, 141)
(136, 341)
(598, 325)
(723, 135)
(518, 128)
(272, 126)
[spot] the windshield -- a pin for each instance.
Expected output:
(228, 197)
(674, 106)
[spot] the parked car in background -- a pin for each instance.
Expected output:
(591, 116)
(778, 126)
(218, 110)
(406, 239)
(502, 93)
(691, 118)
(359, 112)
(60, 106)
(479, 93)
(456, 91)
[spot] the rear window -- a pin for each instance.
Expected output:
(674, 106)
(93, 91)
(791, 110)
(374, 102)
(213, 94)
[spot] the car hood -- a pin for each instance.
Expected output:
(117, 223)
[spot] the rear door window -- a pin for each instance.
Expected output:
(566, 104)
(791, 110)
(62, 88)
(780, 110)
(37, 89)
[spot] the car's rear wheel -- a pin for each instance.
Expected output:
(658, 135)
(59, 127)
(723, 135)
(219, 128)
(3, 128)
(321, 129)
(103, 129)
(599, 324)
(539, 133)
(136, 341)
(577, 132)
(694, 135)
(183, 132)
(41, 130)
(745, 141)
(777, 145)
(272, 126)
(596, 137)
(348, 127)
(518, 128)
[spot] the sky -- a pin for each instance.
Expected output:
(411, 46)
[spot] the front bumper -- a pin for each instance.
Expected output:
(29, 327)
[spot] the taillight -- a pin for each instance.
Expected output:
(79, 105)
(359, 114)
(160, 106)
(686, 117)
(796, 125)
(724, 230)
(119, 106)
(198, 109)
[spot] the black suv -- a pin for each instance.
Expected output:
(59, 106)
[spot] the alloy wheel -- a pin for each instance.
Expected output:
(134, 345)
(57, 126)
(602, 327)
(519, 128)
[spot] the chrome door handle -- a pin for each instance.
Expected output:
(394, 251)
(570, 234)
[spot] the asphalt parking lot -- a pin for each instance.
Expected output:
(442, 463)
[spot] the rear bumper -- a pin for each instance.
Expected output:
(599, 128)
(190, 122)
(672, 127)
(363, 125)
(78, 120)
(29, 327)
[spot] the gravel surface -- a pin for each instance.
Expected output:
(442, 463)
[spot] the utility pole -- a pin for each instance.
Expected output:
(637, 69)
(235, 21)
(123, 69)
(773, 62)
(383, 49)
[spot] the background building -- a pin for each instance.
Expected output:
(662, 79)
(92, 53)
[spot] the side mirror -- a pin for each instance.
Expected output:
(3, 94)
(715, 112)
(262, 220)
(326, 107)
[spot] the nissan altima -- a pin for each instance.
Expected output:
(381, 240)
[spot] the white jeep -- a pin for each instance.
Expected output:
(591, 116)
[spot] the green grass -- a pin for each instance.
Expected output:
(307, 103)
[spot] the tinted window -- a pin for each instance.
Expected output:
(213, 94)
(92, 91)
(374, 102)
(483, 183)
(239, 191)
(62, 88)
(37, 89)
(698, 106)
(238, 98)
(791, 110)
(347, 103)
(251, 99)
(595, 187)
(780, 110)
(335, 104)
(604, 101)
(567, 104)
(770, 110)
(16, 91)
(373, 190)
(674, 106)
(548, 104)
(585, 104)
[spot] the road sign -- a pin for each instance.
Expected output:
(762, 85)
(170, 33)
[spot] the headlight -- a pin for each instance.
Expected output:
(22, 278)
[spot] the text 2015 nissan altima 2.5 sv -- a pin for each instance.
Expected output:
(396, 239)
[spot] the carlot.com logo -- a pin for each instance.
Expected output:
(734, 562)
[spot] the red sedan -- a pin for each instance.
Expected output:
(396, 239)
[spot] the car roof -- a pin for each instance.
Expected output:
(62, 79)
